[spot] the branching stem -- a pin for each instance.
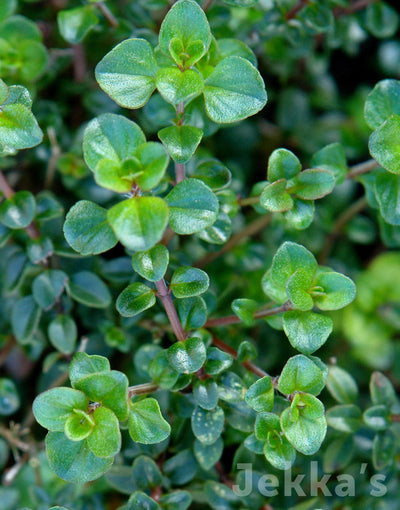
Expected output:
(165, 295)
(234, 319)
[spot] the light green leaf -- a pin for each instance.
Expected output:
(73, 461)
(345, 418)
(86, 229)
(333, 159)
(127, 73)
(105, 439)
(335, 291)
(18, 127)
(139, 222)
(305, 429)
(302, 374)
(260, 395)
(83, 364)
(192, 206)
(288, 259)
(177, 86)
(313, 184)
(78, 425)
(307, 331)
(111, 137)
(275, 198)
(54, 406)
(74, 24)
(108, 388)
(298, 290)
(280, 453)
(245, 310)
(387, 193)
(135, 299)
(283, 164)
(146, 423)
(181, 142)
(234, 91)
(185, 33)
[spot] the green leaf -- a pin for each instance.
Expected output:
(9, 398)
(3, 87)
(217, 361)
(181, 142)
(381, 19)
(307, 331)
(153, 159)
(108, 388)
(338, 454)
(235, 47)
(283, 164)
(335, 291)
(280, 453)
(192, 312)
(146, 423)
(246, 351)
(63, 333)
(341, 385)
(177, 86)
(313, 184)
(301, 215)
(161, 371)
(333, 159)
(135, 299)
(260, 395)
(48, 286)
(54, 406)
(185, 33)
(207, 455)
(177, 500)
(73, 461)
(382, 102)
(74, 24)
(219, 232)
(377, 418)
(192, 207)
(305, 429)
(83, 364)
(139, 222)
(382, 390)
(18, 127)
(275, 198)
(387, 193)
(141, 501)
(146, 473)
(188, 282)
(39, 249)
(187, 357)
(7, 8)
(298, 290)
(288, 259)
(207, 426)
(266, 422)
(205, 393)
(87, 288)
(344, 418)
(105, 439)
(86, 229)
(383, 449)
(213, 173)
(302, 374)
(127, 73)
(384, 144)
(78, 425)
(18, 211)
(245, 310)
(234, 91)
(151, 264)
(25, 316)
(111, 137)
